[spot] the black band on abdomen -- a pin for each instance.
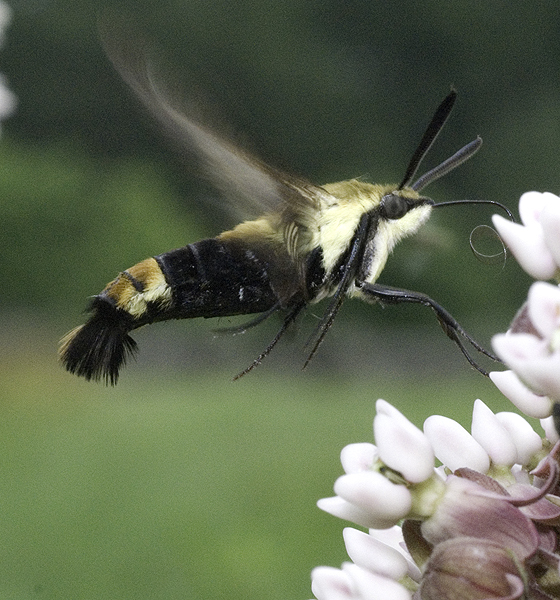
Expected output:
(212, 278)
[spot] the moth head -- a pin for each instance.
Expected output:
(404, 204)
(402, 211)
(395, 204)
(399, 214)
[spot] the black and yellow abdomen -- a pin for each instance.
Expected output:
(210, 278)
(214, 278)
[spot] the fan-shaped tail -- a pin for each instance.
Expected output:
(99, 348)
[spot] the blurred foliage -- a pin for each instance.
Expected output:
(71, 222)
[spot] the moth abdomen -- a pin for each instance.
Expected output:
(210, 278)
(218, 278)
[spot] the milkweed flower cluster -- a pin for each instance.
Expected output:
(531, 348)
(485, 524)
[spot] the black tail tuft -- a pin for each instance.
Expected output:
(98, 349)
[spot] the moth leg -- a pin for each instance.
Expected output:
(349, 270)
(324, 324)
(290, 318)
(249, 324)
(391, 295)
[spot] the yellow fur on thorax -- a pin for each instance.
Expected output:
(337, 223)
(333, 224)
(266, 229)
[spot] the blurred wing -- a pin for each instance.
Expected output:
(240, 177)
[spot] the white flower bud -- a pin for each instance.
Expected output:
(544, 308)
(358, 457)
(328, 583)
(401, 445)
(338, 507)
(371, 492)
(492, 435)
(550, 430)
(528, 246)
(454, 445)
(519, 395)
(370, 586)
(551, 228)
(527, 441)
(373, 555)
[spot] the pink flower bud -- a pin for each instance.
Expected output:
(470, 568)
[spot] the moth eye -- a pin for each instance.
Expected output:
(393, 206)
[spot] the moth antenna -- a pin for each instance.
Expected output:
(436, 125)
(448, 165)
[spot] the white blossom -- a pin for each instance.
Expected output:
(459, 516)
(8, 100)
(402, 446)
(529, 403)
(528, 242)
(488, 518)
(492, 435)
(454, 445)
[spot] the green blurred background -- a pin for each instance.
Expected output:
(179, 483)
